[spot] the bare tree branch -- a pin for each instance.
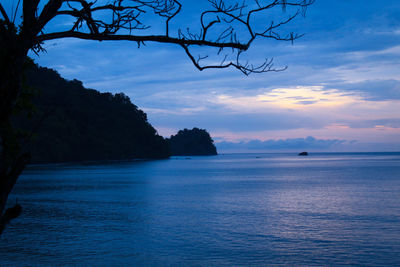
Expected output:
(4, 14)
(223, 25)
(137, 38)
(16, 11)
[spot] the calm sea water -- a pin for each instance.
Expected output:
(239, 209)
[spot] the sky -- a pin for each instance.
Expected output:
(340, 92)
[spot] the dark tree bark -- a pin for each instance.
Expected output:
(13, 55)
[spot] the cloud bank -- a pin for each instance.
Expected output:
(291, 144)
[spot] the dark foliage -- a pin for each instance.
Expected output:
(71, 123)
(192, 142)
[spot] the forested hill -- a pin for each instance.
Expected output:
(78, 124)
(192, 142)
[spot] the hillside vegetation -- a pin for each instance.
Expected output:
(72, 123)
(192, 142)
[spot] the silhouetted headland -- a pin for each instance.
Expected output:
(195, 142)
(67, 123)
(72, 123)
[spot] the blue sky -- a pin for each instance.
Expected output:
(341, 91)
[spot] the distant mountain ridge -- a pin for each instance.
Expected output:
(79, 124)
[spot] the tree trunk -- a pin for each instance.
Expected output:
(12, 159)
(7, 184)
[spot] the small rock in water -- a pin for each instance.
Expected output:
(303, 153)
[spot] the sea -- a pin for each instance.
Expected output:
(325, 209)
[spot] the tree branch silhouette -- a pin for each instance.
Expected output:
(124, 22)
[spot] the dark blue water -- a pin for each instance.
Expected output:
(243, 209)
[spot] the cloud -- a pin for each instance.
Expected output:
(307, 102)
(292, 144)
(381, 123)
(286, 98)
(373, 90)
(219, 120)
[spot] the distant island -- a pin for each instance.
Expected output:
(304, 153)
(195, 142)
(69, 123)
